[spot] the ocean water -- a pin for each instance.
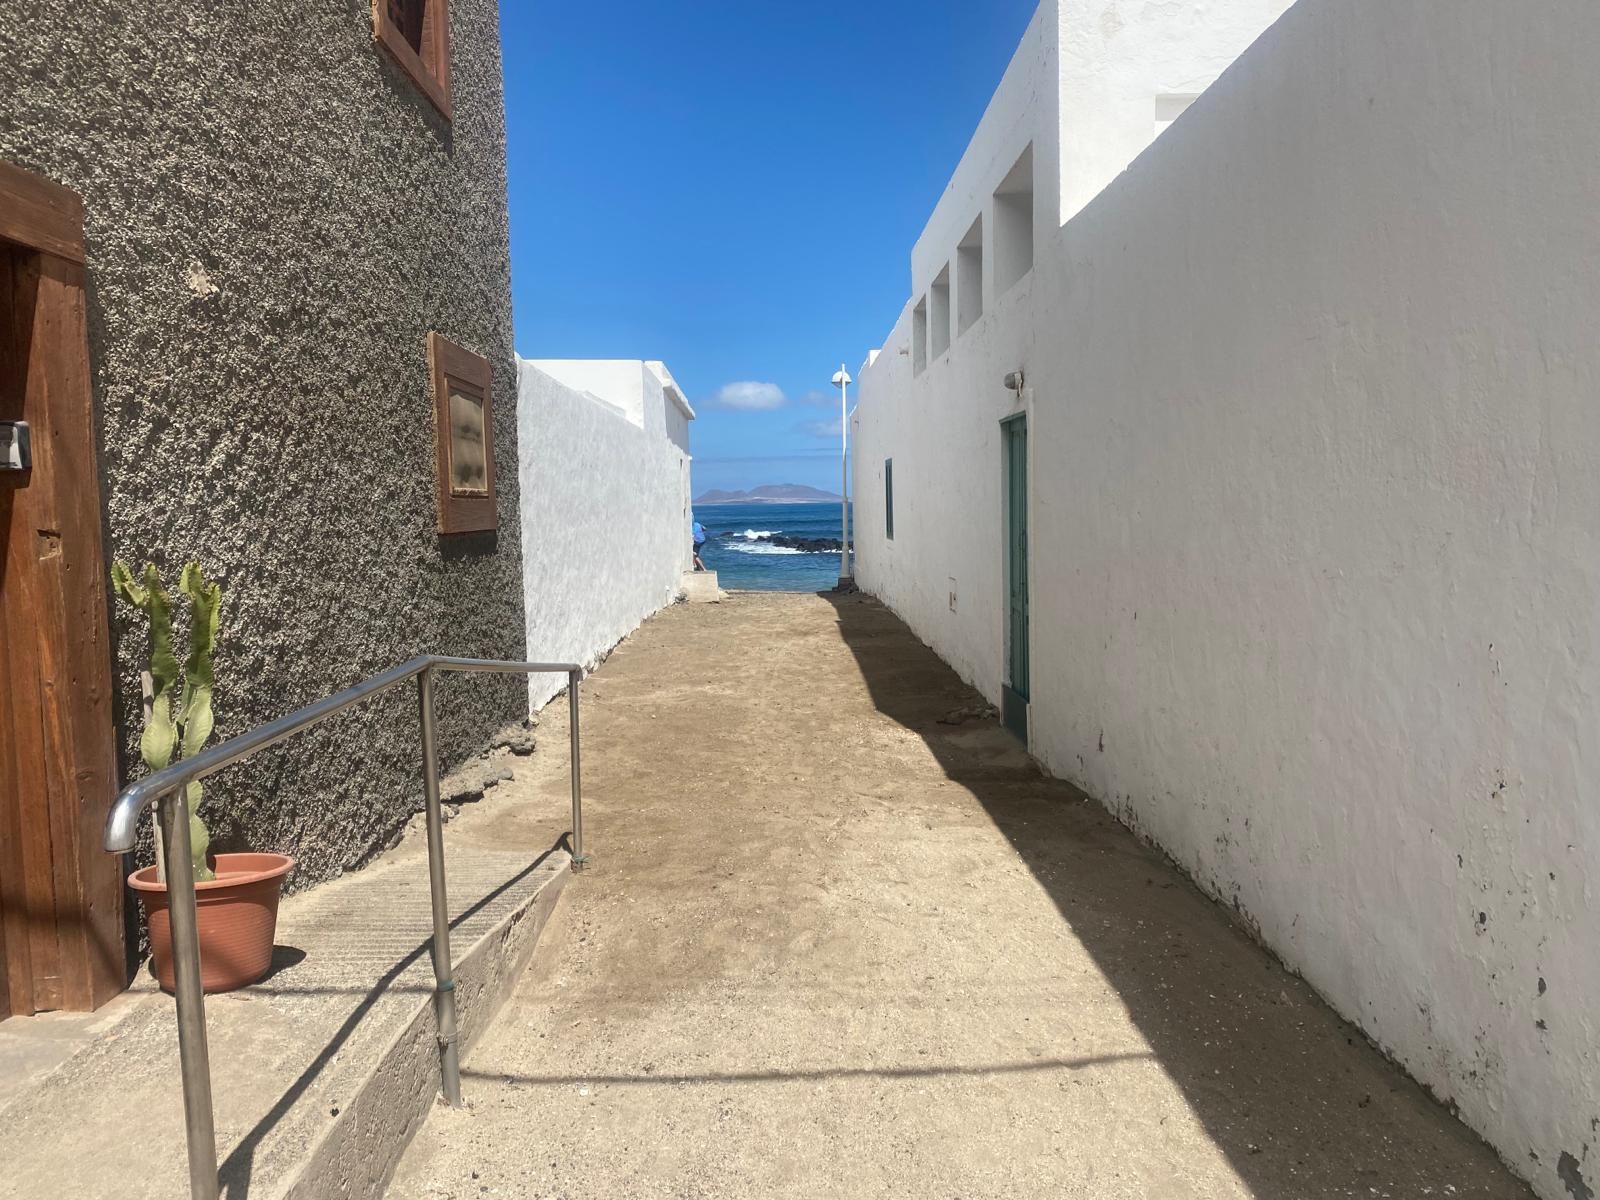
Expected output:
(745, 564)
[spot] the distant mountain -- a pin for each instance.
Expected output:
(772, 493)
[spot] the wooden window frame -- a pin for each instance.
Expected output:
(449, 362)
(430, 69)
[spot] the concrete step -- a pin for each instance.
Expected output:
(701, 587)
(321, 1072)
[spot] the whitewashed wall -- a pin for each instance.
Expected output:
(1316, 528)
(1081, 90)
(605, 503)
(1127, 65)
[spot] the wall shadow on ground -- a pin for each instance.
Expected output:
(1294, 1096)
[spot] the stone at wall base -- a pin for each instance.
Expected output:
(700, 587)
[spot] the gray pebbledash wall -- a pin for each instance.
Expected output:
(276, 218)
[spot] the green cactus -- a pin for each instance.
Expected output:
(188, 731)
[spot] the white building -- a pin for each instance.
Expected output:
(604, 448)
(1088, 89)
(1287, 547)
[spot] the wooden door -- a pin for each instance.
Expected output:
(61, 939)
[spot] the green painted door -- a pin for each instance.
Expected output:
(1015, 693)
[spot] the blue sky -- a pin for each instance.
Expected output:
(734, 186)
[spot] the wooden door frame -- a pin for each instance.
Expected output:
(61, 895)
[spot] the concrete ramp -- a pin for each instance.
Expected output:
(321, 1072)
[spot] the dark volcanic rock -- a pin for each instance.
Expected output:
(809, 545)
(960, 716)
(461, 789)
(517, 739)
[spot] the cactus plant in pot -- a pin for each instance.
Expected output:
(236, 895)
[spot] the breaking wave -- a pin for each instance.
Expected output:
(760, 548)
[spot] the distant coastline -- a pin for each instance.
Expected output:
(772, 493)
(770, 500)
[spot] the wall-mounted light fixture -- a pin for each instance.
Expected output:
(1014, 382)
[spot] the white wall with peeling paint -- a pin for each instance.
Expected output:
(1314, 395)
(604, 462)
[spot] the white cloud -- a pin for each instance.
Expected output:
(749, 395)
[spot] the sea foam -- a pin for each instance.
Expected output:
(761, 548)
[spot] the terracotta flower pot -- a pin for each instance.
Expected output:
(237, 914)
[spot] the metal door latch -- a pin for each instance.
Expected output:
(16, 446)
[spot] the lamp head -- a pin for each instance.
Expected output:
(842, 379)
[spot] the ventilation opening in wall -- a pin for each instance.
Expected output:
(1170, 108)
(969, 277)
(1013, 224)
(939, 314)
(919, 338)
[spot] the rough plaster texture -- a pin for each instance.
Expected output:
(276, 219)
(605, 504)
(1314, 529)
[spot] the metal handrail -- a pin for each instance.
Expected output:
(170, 787)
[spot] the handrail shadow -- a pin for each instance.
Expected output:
(238, 1168)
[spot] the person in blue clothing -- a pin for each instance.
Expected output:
(699, 541)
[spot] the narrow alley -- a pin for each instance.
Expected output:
(840, 938)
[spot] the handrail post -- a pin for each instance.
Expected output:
(444, 993)
(193, 1056)
(167, 790)
(578, 856)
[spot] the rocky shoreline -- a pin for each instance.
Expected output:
(806, 545)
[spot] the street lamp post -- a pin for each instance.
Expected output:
(842, 382)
